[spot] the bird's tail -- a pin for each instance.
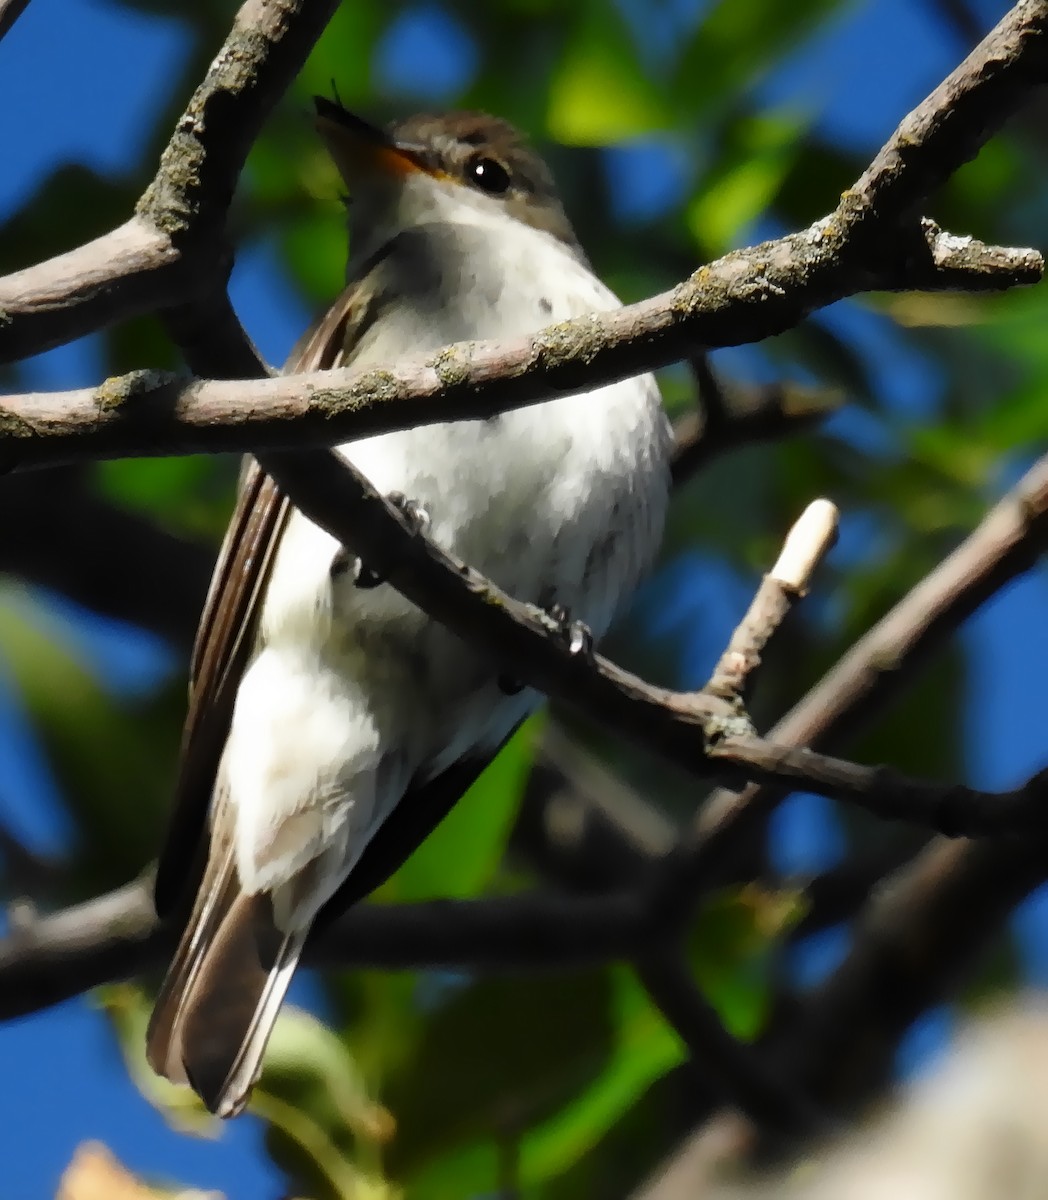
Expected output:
(222, 993)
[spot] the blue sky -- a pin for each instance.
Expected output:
(106, 72)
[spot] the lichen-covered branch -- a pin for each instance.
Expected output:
(874, 239)
(746, 296)
(173, 249)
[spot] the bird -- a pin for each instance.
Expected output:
(331, 723)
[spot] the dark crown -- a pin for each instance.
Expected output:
(491, 154)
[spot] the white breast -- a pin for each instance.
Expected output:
(560, 502)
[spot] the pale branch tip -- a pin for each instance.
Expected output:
(1007, 542)
(807, 543)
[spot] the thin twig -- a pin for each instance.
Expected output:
(765, 413)
(767, 1096)
(1007, 542)
(787, 582)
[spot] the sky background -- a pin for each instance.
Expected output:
(96, 74)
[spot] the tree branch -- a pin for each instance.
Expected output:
(1007, 542)
(872, 240)
(787, 582)
(172, 250)
(746, 296)
(952, 808)
(761, 1092)
(921, 933)
(10, 11)
(749, 414)
(115, 936)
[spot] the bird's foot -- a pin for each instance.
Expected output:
(364, 576)
(576, 635)
(416, 516)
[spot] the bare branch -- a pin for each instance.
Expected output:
(172, 250)
(949, 127)
(806, 545)
(746, 296)
(920, 935)
(122, 274)
(952, 808)
(871, 241)
(1007, 542)
(750, 414)
(523, 639)
(742, 1078)
(115, 936)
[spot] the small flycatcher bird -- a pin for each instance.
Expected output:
(331, 723)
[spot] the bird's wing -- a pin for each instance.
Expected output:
(224, 643)
(226, 634)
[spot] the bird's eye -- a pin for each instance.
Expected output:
(488, 174)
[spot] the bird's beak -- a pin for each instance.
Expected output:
(364, 153)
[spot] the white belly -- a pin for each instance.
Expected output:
(560, 502)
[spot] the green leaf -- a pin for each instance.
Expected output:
(464, 853)
(128, 1008)
(191, 494)
(734, 43)
(731, 951)
(325, 1129)
(499, 1056)
(113, 761)
(644, 1048)
(599, 93)
(763, 148)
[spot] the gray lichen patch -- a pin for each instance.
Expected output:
(119, 390)
(367, 391)
(14, 426)
(451, 366)
(576, 342)
(376, 387)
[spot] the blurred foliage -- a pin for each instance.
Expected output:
(546, 1087)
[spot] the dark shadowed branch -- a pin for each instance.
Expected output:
(10, 11)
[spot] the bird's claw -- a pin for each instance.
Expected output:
(366, 577)
(413, 513)
(576, 635)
